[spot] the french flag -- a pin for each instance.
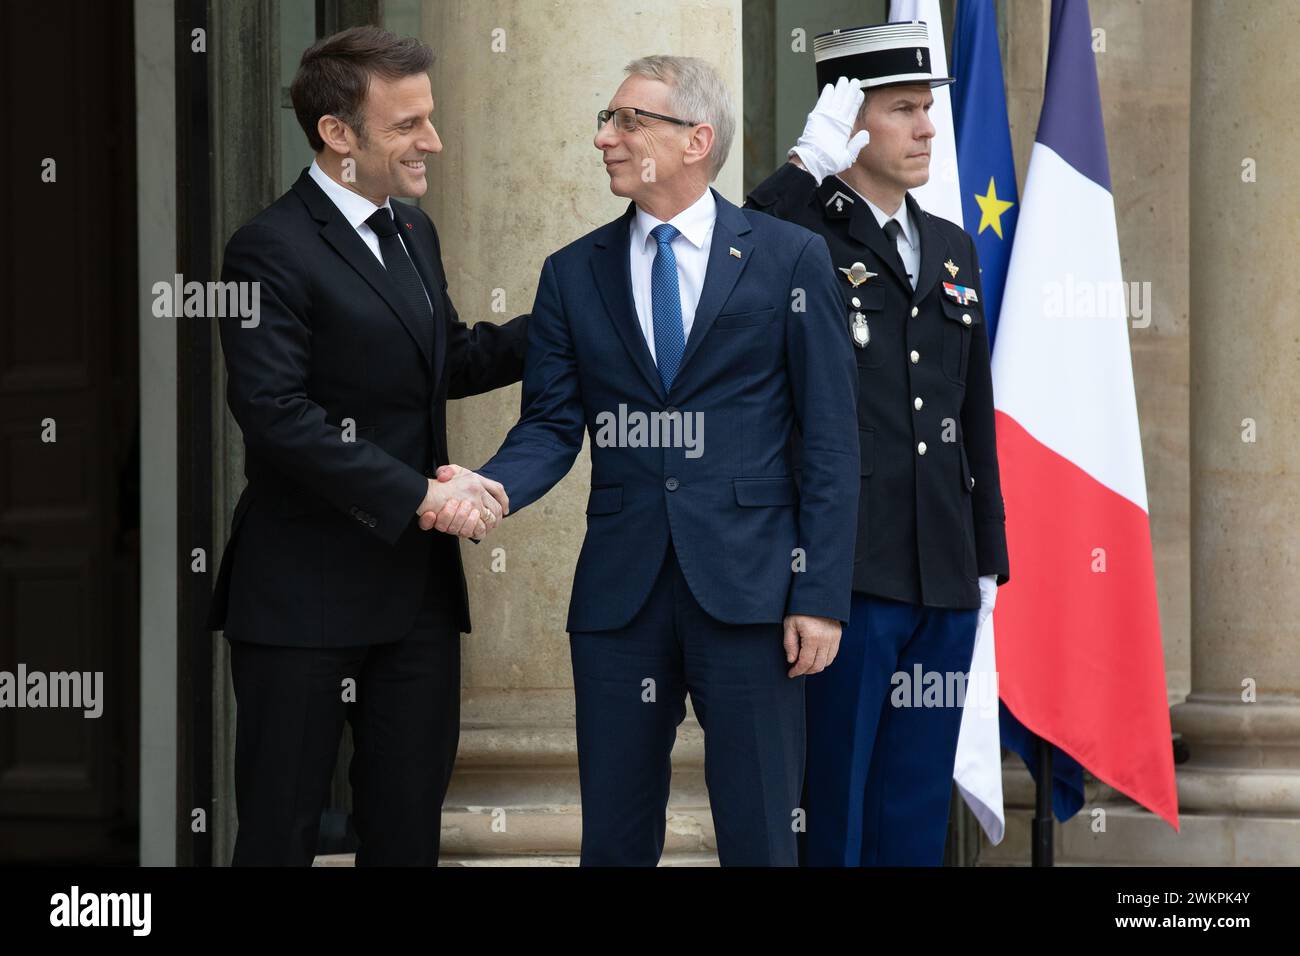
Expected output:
(1079, 655)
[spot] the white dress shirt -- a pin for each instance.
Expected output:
(356, 209)
(690, 249)
(909, 240)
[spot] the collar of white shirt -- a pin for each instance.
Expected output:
(355, 207)
(693, 222)
(903, 217)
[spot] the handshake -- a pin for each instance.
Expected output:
(463, 503)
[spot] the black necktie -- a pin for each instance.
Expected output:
(401, 270)
(892, 231)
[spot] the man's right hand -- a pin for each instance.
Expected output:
(826, 147)
(463, 503)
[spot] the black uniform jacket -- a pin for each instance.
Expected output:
(930, 513)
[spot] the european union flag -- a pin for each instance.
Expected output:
(985, 165)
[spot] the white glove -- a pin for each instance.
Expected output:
(825, 147)
(988, 595)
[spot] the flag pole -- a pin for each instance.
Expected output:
(1042, 827)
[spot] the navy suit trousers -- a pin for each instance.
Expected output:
(631, 686)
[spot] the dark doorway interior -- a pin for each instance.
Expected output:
(69, 508)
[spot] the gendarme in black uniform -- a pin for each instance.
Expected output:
(930, 513)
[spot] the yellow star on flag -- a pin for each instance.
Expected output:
(991, 210)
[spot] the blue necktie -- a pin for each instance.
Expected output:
(666, 306)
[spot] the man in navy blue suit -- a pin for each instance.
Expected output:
(693, 340)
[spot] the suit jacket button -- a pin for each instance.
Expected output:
(916, 356)
(917, 403)
(915, 310)
(920, 448)
(672, 484)
(372, 522)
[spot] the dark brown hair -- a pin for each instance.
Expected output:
(334, 75)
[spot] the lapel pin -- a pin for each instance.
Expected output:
(857, 274)
(952, 268)
(735, 252)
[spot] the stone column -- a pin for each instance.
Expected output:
(1240, 793)
(516, 87)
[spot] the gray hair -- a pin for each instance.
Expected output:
(696, 93)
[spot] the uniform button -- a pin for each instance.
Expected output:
(972, 481)
(672, 484)
(917, 403)
(916, 356)
(915, 310)
(965, 318)
(372, 522)
(857, 303)
(920, 448)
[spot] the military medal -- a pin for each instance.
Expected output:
(861, 334)
(951, 267)
(961, 294)
(857, 274)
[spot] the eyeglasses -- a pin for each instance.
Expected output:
(625, 118)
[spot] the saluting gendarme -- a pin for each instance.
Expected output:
(931, 541)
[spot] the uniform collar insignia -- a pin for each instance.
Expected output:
(839, 204)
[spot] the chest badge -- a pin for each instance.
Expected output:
(861, 333)
(952, 268)
(857, 274)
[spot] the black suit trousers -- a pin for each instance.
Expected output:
(404, 710)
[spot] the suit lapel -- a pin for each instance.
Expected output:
(611, 269)
(722, 273)
(934, 249)
(340, 234)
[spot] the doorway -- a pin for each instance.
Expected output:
(69, 435)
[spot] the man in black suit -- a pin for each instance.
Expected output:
(336, 603)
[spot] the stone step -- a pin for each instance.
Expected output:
(514, 796)
(1259, 828)
(448, 859)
